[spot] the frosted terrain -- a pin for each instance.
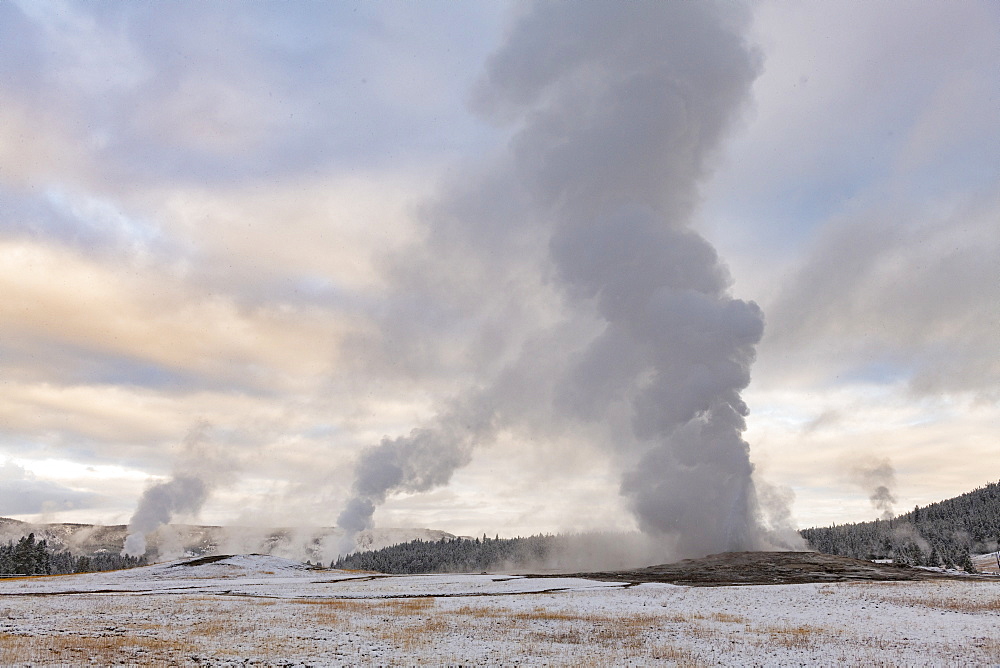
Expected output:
(272, 611)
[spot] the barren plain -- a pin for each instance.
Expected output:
(259, 610)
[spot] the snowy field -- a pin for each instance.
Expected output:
(268, 611)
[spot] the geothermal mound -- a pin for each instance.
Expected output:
(757, 568)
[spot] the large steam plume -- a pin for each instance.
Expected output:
(184, 493)
(617, 110)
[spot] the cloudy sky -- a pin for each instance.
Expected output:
(252, 240)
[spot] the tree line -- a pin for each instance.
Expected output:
(943, 534)
(458, 555)
(34, 557)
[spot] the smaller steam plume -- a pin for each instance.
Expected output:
(159, 503)
(421, 461)
(184, 493)
(877, 477)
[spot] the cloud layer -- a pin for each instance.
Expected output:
(316, 227)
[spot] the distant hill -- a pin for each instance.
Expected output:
(945, 533)
(316, 544)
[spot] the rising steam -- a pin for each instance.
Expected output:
(616, 111)
(878, 478)
(416, 463)
(184, 493)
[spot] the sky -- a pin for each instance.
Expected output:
(253, 240)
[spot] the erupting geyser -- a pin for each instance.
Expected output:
(616, 111)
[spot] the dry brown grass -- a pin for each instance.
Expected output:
(940, 602)
(677, 655)
(404, 623)
(481, 611)
(567, 636)
(974, 651)
(541, 613)
(989, 646)
(98, 650)
(727, 618)
(328, 602)
(624, 632)
(412, 605)
(798, 636)
(335, 611)
(672, 618)
(541, 626)
(414, 634)
(213, 628)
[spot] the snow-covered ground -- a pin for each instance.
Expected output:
(987, 563)
(270, 611)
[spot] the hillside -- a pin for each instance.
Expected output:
(943, 533)
(188, 540)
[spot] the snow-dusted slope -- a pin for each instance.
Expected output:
(265, 575)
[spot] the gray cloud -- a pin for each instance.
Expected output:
(365, 88)
(871, 235)
(22, 493)
(900, 297)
